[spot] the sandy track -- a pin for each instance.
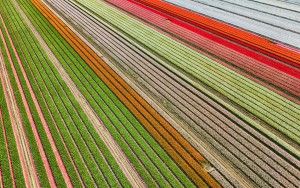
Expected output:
(41, 115)
(29, 114)
(124, 163)
(28, 168)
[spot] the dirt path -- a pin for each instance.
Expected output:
(28, 168)
(43, 120)
(120, 157)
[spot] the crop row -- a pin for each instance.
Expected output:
(8, 150)
(257, 65)
(265, 104)
(264, 24)
(201, 114)
(149, 159)
(80, 143)
(243, 37)
(161, 168)
(29, 129)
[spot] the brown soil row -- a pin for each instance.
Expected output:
(38, 108)
(28, 168)
(187, 157)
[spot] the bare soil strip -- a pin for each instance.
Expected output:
(29, 114)
(40, 113)
(28, 168)
(120, 157)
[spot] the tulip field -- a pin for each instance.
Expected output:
(149, 93)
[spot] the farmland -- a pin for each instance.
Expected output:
(127, 93)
